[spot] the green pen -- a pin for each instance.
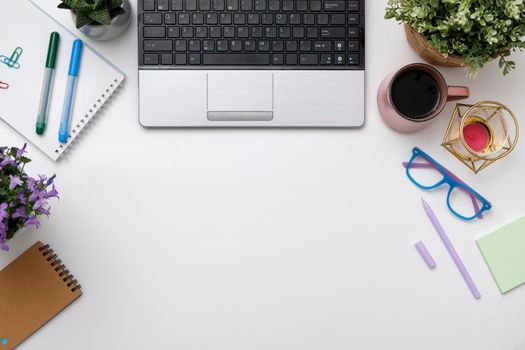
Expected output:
(48, 80)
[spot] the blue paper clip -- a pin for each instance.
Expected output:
(12, 62)
(4, 85)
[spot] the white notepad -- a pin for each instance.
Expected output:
(97, 79)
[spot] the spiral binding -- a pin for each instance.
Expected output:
(59, 268)
(101, 101)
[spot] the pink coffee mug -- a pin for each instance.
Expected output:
(401, 122)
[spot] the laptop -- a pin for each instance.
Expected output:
(251, 63)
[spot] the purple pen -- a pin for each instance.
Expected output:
(455, 257)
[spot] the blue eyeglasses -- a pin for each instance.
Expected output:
(427, 174)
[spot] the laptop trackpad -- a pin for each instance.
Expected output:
(240, 91)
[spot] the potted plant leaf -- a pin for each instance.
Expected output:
(22, 198)
(460, 33)
(99, 19)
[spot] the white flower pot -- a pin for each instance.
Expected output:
(103, 32)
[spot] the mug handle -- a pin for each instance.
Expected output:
(456, 93)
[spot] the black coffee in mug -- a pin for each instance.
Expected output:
(415, 94)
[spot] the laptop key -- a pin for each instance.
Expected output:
(323, 46)
(158, 45)
(277, 45)
(339, 45)
(281, 18)
(222, 45)
(264, 45)
(337, 18)
(195, 58)
(191, 5)
(228, 32)
(291, 58)
(205, 5)
(308, 59)
(154, 32)
(201, 32)
(194, 45)
(322, 18)
(312, 32)
(353, 45)
(162, 5)
(260, 5)
(176, 5)
(184, 18)
(242, 32)
(239, 18)
(170, 18)
(187, 32)
(180, 45)
(309, 19)
(353, 59)
(236, 45)
(288, 5)
(291, 45)
(246, 5)
(353, 32)
(180, 58)
(236, 59)
(326, 59)
(353, 18)
(208, 45)
(232, 5)
(173, 32)
(218, 5)
(340, 58)
(215, 32)
(267, 18)
(315, 5)
(277, 59)
(197, 18)
(301, 5)
(305, 45)
(333, 32)
(353, 6)
(151, 59)
(334, 5)
(249, 45)
(212, 18)
(166, 58)
(148, 5)
(152, 18)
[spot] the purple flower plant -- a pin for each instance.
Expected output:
(22, 198)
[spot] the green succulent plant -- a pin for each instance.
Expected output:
(476, 30)
(93, 11)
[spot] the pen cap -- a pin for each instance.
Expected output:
(52, 50)
(76, 52)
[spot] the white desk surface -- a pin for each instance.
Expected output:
(273, 239)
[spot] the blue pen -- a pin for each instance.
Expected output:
(74, 65)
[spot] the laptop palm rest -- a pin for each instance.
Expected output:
(240, 96)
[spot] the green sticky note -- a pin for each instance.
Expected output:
(504, 252)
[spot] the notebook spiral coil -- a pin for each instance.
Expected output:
(59, 268)
(96, 107)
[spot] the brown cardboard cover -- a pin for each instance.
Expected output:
(31, 293)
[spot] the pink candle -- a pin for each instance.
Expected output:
(476, 136)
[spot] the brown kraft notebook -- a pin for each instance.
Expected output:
(33, 289)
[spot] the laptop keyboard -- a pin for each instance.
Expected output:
(271, 34)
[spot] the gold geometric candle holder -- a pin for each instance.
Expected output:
(480, 134)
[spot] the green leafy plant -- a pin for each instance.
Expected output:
(476, 30)
(93, 11)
